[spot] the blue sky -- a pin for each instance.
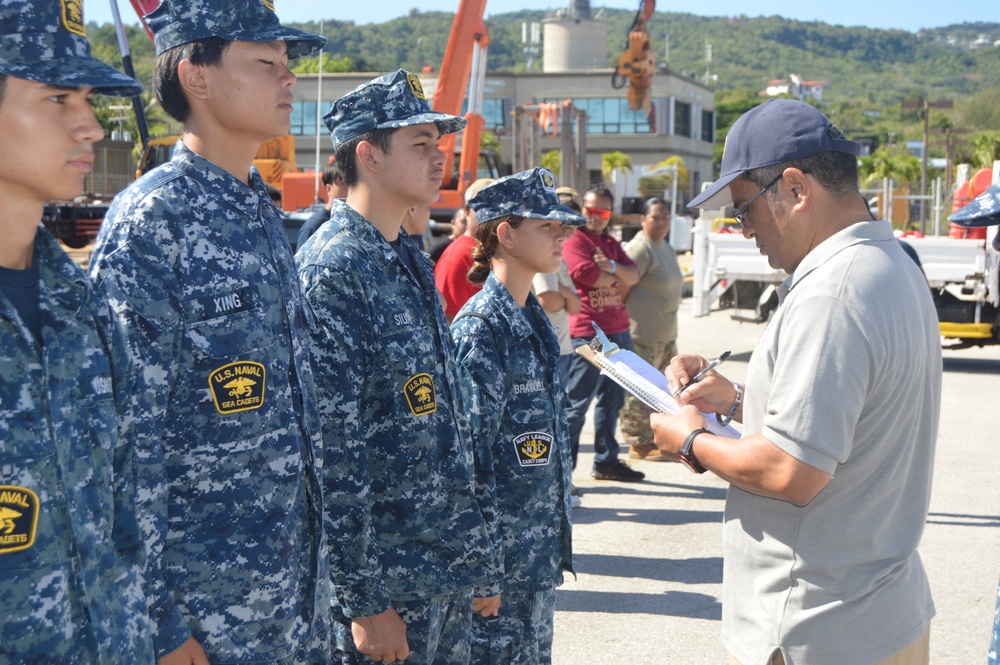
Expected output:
(912, 16)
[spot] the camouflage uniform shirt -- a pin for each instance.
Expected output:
(517, 410)
(397, 455)
(69, 542)
(197, 268)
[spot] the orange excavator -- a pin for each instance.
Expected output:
(636, 63)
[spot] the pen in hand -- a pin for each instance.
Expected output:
(703, 373)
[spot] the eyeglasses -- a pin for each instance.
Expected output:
(740, 213)
(600, 213)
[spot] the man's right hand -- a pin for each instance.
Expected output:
(713, 394)
(188, 653)
(381, 637)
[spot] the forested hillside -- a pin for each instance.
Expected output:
(867, 73)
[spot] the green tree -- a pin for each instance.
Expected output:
(613, 161)
(986, 149)
(981, 109)
(310, 65)
(552, 160)
(893, 162)
(657, 185)
(489, 141)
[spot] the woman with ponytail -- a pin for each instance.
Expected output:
(515, 400)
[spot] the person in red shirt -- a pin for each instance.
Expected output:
(451, 272)
(599, 266)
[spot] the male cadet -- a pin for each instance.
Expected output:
(197, 267)
(69, 542)
(395, 438)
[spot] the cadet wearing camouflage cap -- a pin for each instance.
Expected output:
(398, 458)
(69, 540)
(984, 210)
(196, 264)
(516, 402)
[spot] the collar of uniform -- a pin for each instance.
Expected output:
(65, 285)
(507, 308)
(862, 232)
(361, 227)
(228, 188)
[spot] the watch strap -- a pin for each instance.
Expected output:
(686, 453)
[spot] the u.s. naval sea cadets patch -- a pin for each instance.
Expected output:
(238, 386)
(533, 448)
(415, 87)
(71, 12)
(420, 394)
(18, 518)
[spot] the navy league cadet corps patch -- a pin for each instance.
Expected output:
(238, 386)
(420, 394)
(533, 448)
(18, 518)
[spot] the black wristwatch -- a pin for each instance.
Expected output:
(687, 455)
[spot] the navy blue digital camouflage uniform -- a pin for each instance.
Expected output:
(398, 459)
(70, 550)
(69, 543)
(517, 406)
(198, 270)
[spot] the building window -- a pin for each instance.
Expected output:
(611, 115)
(682, 119)
(304, 118)
(495, 113)
(707, 122)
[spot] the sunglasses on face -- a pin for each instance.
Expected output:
(600, 213)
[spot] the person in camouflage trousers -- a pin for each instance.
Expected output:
(397, 454)
(507, 356)
(70, 550)
(195, 262)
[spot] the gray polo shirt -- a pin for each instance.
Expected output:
(846, 378)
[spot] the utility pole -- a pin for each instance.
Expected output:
(926, 105)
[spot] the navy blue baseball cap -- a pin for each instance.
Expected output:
(778, 131)
(46, 41)
(177, 22)
(390, 101)
(984, 210)
(530, 194)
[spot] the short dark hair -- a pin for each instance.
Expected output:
(834, 170)
(331, 173)
(346, 158)
(205, 52)
(599, 189)
(648, 204)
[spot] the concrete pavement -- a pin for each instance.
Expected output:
(649, 555)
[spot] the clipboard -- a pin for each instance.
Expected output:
(641, 379)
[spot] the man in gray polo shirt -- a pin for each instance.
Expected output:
(831, 481)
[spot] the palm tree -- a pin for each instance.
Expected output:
(891, 162)
(613, 161)
(552, 160)
(987, 149)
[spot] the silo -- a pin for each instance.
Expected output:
(574, 41)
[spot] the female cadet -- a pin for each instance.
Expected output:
(507, 355)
